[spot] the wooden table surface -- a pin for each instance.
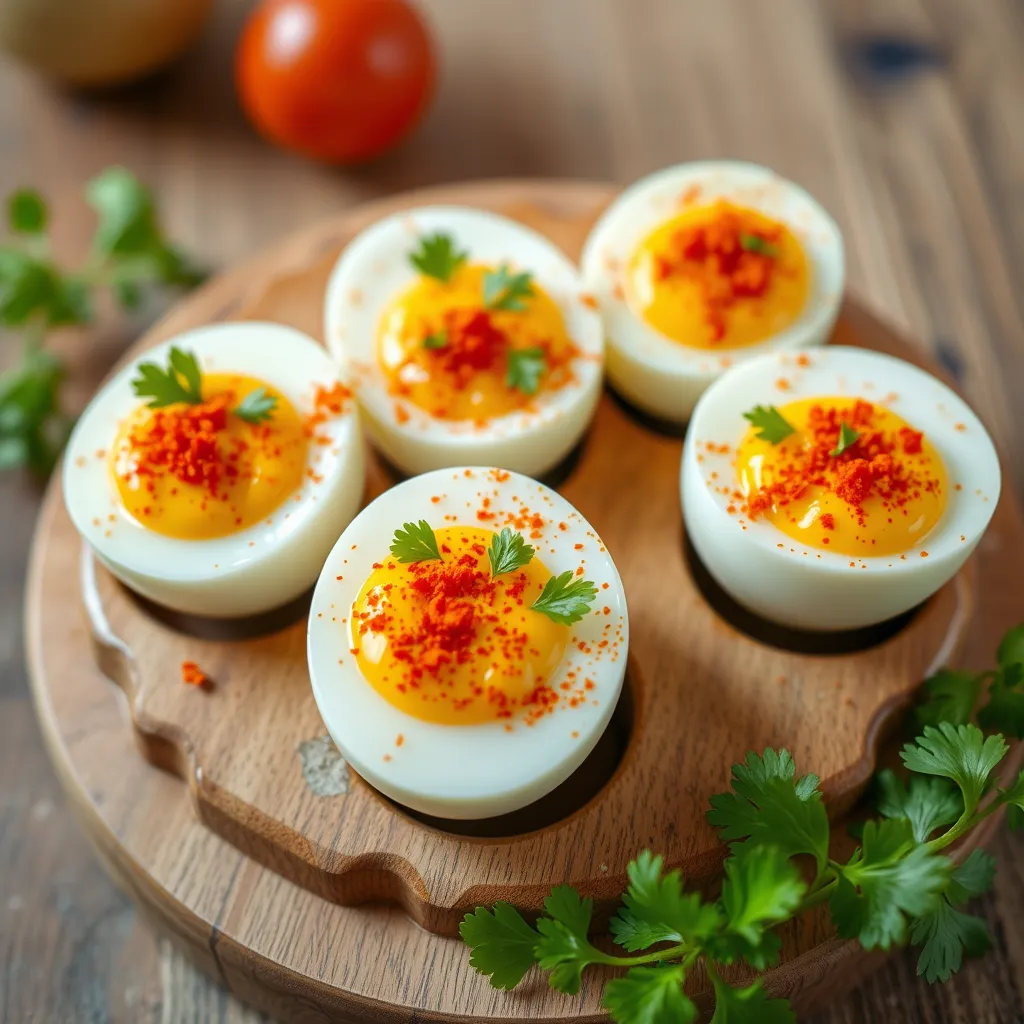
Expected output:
(902, 116)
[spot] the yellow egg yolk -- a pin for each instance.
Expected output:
(880, 496)
(200, 471)
(446, 353)
(719, 276)
(445, 642)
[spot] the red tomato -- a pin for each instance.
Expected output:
(337, 80)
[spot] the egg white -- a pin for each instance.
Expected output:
(664, 377)
(255, 569)
(464, 771)
(375, 267)
(792, 585)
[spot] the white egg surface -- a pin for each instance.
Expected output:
(466, 338)
(438, 679)
(688, 288)
(226, 502)
(859, 488)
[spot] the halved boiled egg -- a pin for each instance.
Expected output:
(215, 472)
(467, 642)
(835, 489)
(466, 337)
(704, 265)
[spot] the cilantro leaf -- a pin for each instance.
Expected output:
(655, 908)
(179, 381)
(772, 808)
(508, 552)
(847, 438)
(1015, 818)
(436, 341)
(525, 368)
(945, 935)
(437, 256)
(507, 291)
(755, 243)
(960, 753)
(415, 542)
(927, 803)
(1014, 798)
(501, 944)
(762, 887)
(26, 212)
(257, 406)
(770, 424)
(1005, 708)
(565, 599)
(649, 995)
(886, 880)
(972, 878)
(1011, 650)
(950, 696)
(32, 428)
(749, 1005)
(563, 948)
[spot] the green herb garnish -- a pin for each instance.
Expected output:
(257, 406)
(565, 598)
(899, 885)
(415, 542)
(180, 380)
(508, 552)
(437, 340)
(507, 291)
(525, 368)
(770, 424)
(437, 256)
(847, 438)
(755, 243)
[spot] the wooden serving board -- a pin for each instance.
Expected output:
(306, 839)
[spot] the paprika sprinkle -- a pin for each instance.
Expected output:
(880, 495)
(719, 276)
(199, 471)
(447, 642)
(441, 349)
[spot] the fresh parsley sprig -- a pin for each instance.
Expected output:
(508, 551)
(257, 406)
(525, 368)
(565, 598)
(847, 438)
(129, 255)
(415, 542)
(507, 291)
(437, 256)
(181, 380)
(755, 243)
(898, 886)
(770, 424)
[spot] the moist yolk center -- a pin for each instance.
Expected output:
(445, 642)
(196, 472)
(719, 276)
(881, 496)
(441, 349)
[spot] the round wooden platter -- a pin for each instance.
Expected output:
(246, 835)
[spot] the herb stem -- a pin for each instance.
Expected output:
(670, 953)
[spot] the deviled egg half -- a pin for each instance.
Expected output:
(467, 642)
(835, 489)
(466, 338)
(703, 265)
(214, 474)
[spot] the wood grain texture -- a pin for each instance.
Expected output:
(702, 692)
(921, 169)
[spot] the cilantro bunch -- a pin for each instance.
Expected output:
(899, 886)
(128, 255)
